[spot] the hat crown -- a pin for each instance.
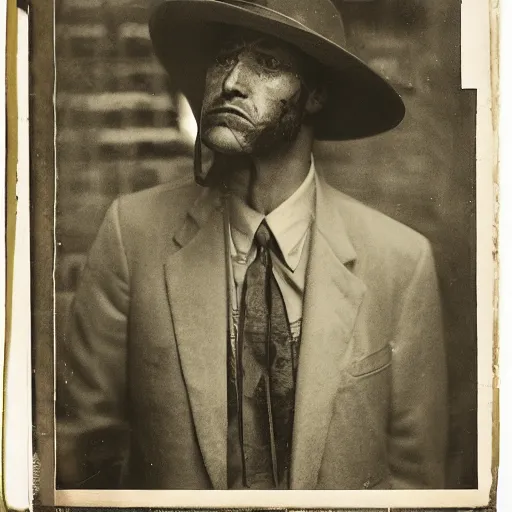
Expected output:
(320, 16)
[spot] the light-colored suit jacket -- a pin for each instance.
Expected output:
(142, 386)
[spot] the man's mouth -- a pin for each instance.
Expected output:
(230, 110)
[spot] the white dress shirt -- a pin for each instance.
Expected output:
(290, 224)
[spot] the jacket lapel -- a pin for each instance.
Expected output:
(197, 290)
(331, 303)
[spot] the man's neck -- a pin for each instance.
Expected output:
(265, 182)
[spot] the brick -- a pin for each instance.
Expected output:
(114, 101)
(84, 31)
(137, 135)
(110, 75)
(133, 31)
(117, 12)
(116, 110)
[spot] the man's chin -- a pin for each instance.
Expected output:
(224, 140)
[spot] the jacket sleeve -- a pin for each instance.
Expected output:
(418, 429)
(91, 368)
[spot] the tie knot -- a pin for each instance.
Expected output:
(263, 236)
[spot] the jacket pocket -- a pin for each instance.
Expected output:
(374, 363)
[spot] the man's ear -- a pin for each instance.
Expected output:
(316, 100)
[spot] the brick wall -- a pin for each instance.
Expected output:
(118, 126)
(121, 128)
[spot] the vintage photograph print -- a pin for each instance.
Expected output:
(254, 243)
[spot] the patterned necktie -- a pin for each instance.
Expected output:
(268, 372)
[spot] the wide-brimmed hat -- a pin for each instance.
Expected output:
(360, 102)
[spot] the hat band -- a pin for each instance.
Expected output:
(245, 3)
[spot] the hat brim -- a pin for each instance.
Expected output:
(360, 102)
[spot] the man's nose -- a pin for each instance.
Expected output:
(235, 81)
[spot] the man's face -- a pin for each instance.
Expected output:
(254, 95)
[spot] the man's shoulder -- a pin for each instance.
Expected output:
(160, 195)
(373, 231)
(169, 201)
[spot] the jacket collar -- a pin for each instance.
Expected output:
(327, 205)
(197, 290)
(329, 220)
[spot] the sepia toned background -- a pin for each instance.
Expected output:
(121, 128)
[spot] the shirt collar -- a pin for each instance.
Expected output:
(289, 222)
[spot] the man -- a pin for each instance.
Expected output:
(264, 331)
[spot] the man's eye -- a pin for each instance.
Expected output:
(225, 59)
(269, 62)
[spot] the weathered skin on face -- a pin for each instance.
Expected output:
(254, 96)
